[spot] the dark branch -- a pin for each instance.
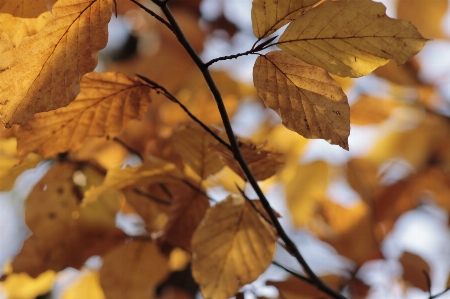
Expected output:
(292, 272)
(441, 293)
(171, 97)
(153, 14)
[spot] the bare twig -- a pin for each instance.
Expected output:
(153, 14)
(292, 272)
(441, 293)
(238, 155)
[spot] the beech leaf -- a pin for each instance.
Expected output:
(43, 73)
(307, 99)
(350, 38)
(105, 106)
(270, 15)
(18, 28)
(231, 247)
(25, 8)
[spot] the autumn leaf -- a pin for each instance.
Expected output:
(133, 270)
(413, 268)
(192, 143)
(65, 234)
(43, 73)
(25, 8)
(270, 15)
(307, 99)
(18, 28)
(10, 168)
(88, 286)
(368, 110)
(21, 285)
(263, 160)
(231, 247)
(350, 38)
(105, 106)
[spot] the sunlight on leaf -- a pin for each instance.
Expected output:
(133, 270)
(43, 73)
(25, 8)
(231, 247)
(350, 38)
(307, 99)
(18, 28)
(270, 15)
(22, 286)
(105, 106)
(87, 287)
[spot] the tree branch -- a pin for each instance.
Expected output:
(238, 155)
(153, 14)
(441, 293)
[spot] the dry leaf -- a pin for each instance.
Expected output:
(10, 168)
(133, 270)
(413, 267)
(403, 74)
(369, 110)
(43, 73)
(18, 28)
(192, 143)
(105, 106)
(270, 15)
(350, 38)
(231, 247)
(307, 99)
(262, 159)
(362, 175)
(25, 8)
(65, 234)
(186, 212)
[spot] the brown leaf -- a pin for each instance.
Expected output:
(294, 288)
(404, 74)
(307, 99)
(133, 270)
(25, 8)
(262, 159)
(192, 143)
(65, 234)
(43, 73)
(105, 106)
(369, 110)
(362, 175)
(186, 212)
(270, 15)
(350, 38)
(413, 267)
(231, 247)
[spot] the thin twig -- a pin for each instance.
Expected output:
(129, 148)
(171, 97)
(292, 272)
(441, 293)
(153, 14)
(427, 277)
(238, 155)
(251, 51)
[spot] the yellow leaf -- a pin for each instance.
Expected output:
(370, 110)
(105, 106)
(133, 270)
(65, 234)
(186, 212)
(18, 28)
(22, 286)
(270, 15)
(43, 73)
(226, 179)
(88, 287)
(263, 160)
(231, 247)
(350, 38)
(304, 186)
(307, 99)
(426, 16)
(10, 168)
(413, 267)
(153, 170)
(25, 8)
(192, 143)
(294, 288)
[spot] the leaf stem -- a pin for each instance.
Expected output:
(238, 155)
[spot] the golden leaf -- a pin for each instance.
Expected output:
(186, 212)
(18, 28)
(105, 106)
(21, 285)
(350, 38)
(262, 159)
(153, 170)
(192, 143)
(10, 168)
(307, 184)
(413, 267)
(307, 99)
(65, 234)
(43, 73)
(231, 247)
(270, 15)
(370, 110)
(133, 270)
(88, 287)
(25, 8)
